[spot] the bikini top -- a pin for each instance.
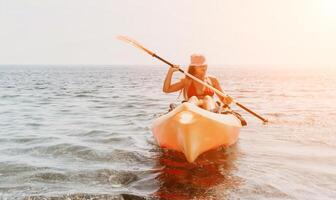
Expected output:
(192, 91)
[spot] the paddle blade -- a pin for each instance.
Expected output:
(134, 43)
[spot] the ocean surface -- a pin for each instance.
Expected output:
(84, 132)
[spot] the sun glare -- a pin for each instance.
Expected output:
(185, 117)
(329, 8)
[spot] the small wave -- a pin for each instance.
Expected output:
(247, 91)
(10, 86)
(115, 177)
(80, 196)
(275, 114)
(118, 116)
(324, 141)
(50, 177)
(87, 153)
(305, 122)
(268, 191)
(39, 83)
(34, 124)
(83, 95)
(68, 149)
(40, 88)
(65, 110)
(9, 96)
(85, 91)
(30, 140)
(124, 140)
(90, 133)
(127, 106)
(99, 107)
(44, 103)
(138, 114)
(13, 168)
(95, 101)
(126, 155)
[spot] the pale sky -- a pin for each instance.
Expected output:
(227, 32)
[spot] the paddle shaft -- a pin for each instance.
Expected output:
(193, 77)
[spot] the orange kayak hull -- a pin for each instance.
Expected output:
(193, 130)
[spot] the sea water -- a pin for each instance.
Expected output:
(81, 132)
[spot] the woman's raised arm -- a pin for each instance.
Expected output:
(167, 86)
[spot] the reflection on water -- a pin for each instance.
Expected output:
(180, 179)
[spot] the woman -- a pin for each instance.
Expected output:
(193, 91)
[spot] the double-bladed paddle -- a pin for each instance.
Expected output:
(138, 45)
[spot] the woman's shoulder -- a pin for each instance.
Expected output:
(212, 77)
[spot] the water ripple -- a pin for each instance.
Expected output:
(84, 132)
